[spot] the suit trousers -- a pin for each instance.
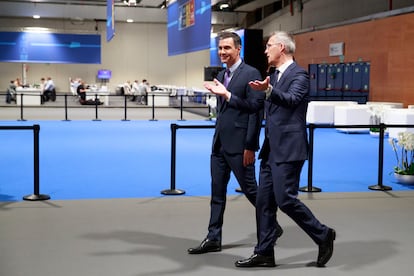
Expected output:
(278, 187)
(221, 165)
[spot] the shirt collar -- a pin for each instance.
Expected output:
(234, 67)
(284, 66)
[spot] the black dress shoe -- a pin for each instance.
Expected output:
(257, 260)
(206, 246)
(326, 249)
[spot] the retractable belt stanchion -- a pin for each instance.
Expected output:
(181, 108)
(125, 109)
(21, 107)
(36, 195)
(66, 108)
(310, 188)
(380, 186)
(96, 108)
(173, 190)
(153, 108)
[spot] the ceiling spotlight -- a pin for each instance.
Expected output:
(130, 2)
(36, 16)
(224, 6)
(129, 20)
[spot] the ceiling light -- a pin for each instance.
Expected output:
(36, 16)
(129, 20)
(37, 29)
(224, 6)
(130, 2)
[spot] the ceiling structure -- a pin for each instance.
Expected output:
(231, 5)
(149, 11)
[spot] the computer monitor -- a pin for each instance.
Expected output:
(104, 74)
(210, 72)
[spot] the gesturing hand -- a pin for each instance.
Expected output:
(217, 88)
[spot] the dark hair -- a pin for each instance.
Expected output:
(236, 38)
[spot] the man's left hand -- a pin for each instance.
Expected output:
(248, 157)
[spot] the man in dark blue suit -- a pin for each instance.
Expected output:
(283, 153)
(235, 141)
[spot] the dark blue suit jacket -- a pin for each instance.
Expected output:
(285, 114)
(236, 129)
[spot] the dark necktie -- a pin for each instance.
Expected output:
(276, 76)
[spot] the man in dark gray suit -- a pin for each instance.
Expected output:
(235, 141)
(283, 153)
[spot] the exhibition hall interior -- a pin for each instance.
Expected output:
(117, 181)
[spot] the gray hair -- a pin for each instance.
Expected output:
(285, 39)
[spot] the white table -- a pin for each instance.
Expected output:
(161, 98)
(31, 96)
(352, 115)
(399, 116)
(323, 112)
(101, 95)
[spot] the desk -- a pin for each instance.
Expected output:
(31, 96)
(357, 114)
(399, 116)
(161, 98)
(323, 112)
(101, 95)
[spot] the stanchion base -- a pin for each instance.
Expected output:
(153, 120)
(125, 120)
(97, 120)
(239, 190)
(173, 192)
(22, 120)
(380, 188)
(36, 197)
(65, 120)
(312, 190)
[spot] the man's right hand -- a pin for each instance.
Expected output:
(260, 85)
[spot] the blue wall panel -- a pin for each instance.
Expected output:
(49, 48)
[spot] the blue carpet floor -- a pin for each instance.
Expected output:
(117, 159)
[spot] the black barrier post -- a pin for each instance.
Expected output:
(380, 186)
(209, 108)
(36, 195)
(125, 109)
(66, 108)
(153, 108)
(310, 188)
(173, 190)
(21, 107)
(181, 108)
(96, 108)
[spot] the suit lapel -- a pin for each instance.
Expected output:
(272, 107)
(286, 73)
(236, 74)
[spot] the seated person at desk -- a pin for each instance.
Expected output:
(81, 91)
(49, 91)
